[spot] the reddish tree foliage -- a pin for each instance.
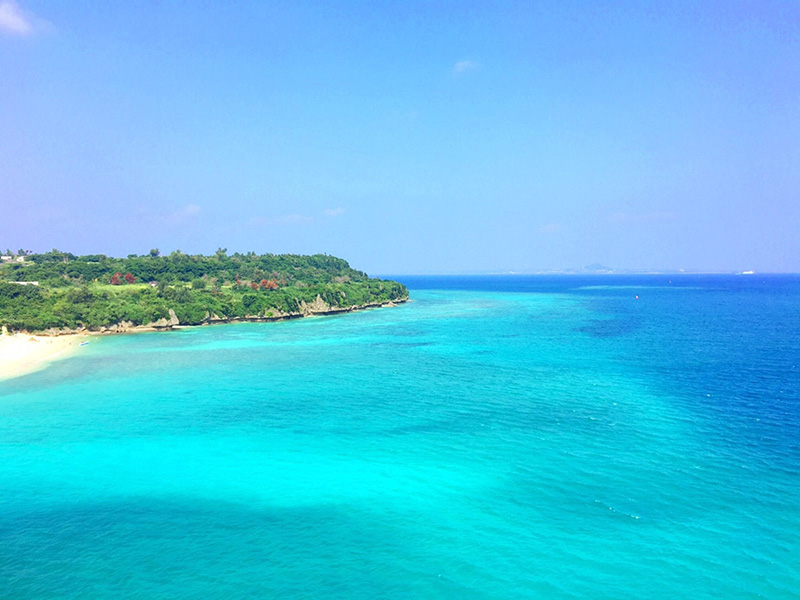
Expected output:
(129, 278)
(269, 285)
(254, 285)
(115, 279)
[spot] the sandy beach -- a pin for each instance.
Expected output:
(22, 354)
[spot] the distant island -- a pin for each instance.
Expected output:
(58, 292)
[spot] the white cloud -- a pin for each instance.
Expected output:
(333, 212)
(192, 209)
(464, 65)
(13, 20)
(550, 228)
(643, 217)
(293, 219)
(187, 212)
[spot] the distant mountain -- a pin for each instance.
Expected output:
(597, 268)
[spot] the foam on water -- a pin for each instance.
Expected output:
(495, 438)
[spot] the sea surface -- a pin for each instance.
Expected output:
(497, 437)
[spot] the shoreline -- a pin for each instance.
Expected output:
(308, 310)
(23, 353)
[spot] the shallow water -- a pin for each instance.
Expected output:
(497, 437)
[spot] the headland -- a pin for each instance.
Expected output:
(48, 299)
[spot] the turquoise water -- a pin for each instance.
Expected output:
(494, 438)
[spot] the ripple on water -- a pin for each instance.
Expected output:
(535, 442)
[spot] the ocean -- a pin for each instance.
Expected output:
(497, 437)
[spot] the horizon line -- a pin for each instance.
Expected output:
(575, 273)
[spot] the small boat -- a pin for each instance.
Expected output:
(83, 343)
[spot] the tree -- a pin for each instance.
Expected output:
(248, 300)
(154, 252)
(73, 293)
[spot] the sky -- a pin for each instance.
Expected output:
(407, 137)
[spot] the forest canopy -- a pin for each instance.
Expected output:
(60, 290)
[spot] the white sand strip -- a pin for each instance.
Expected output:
(22, 354)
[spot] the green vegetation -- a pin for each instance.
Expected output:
(96, 291)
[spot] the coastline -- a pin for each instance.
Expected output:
(24, 353)
(316, 308)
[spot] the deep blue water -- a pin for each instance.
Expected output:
(498, 437)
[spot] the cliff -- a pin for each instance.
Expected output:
(318, 307)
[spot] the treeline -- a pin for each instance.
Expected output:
(57, 268)
(98, 291)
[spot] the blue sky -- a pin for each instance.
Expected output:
(408, 137)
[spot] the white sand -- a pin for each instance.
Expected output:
(23, 354)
